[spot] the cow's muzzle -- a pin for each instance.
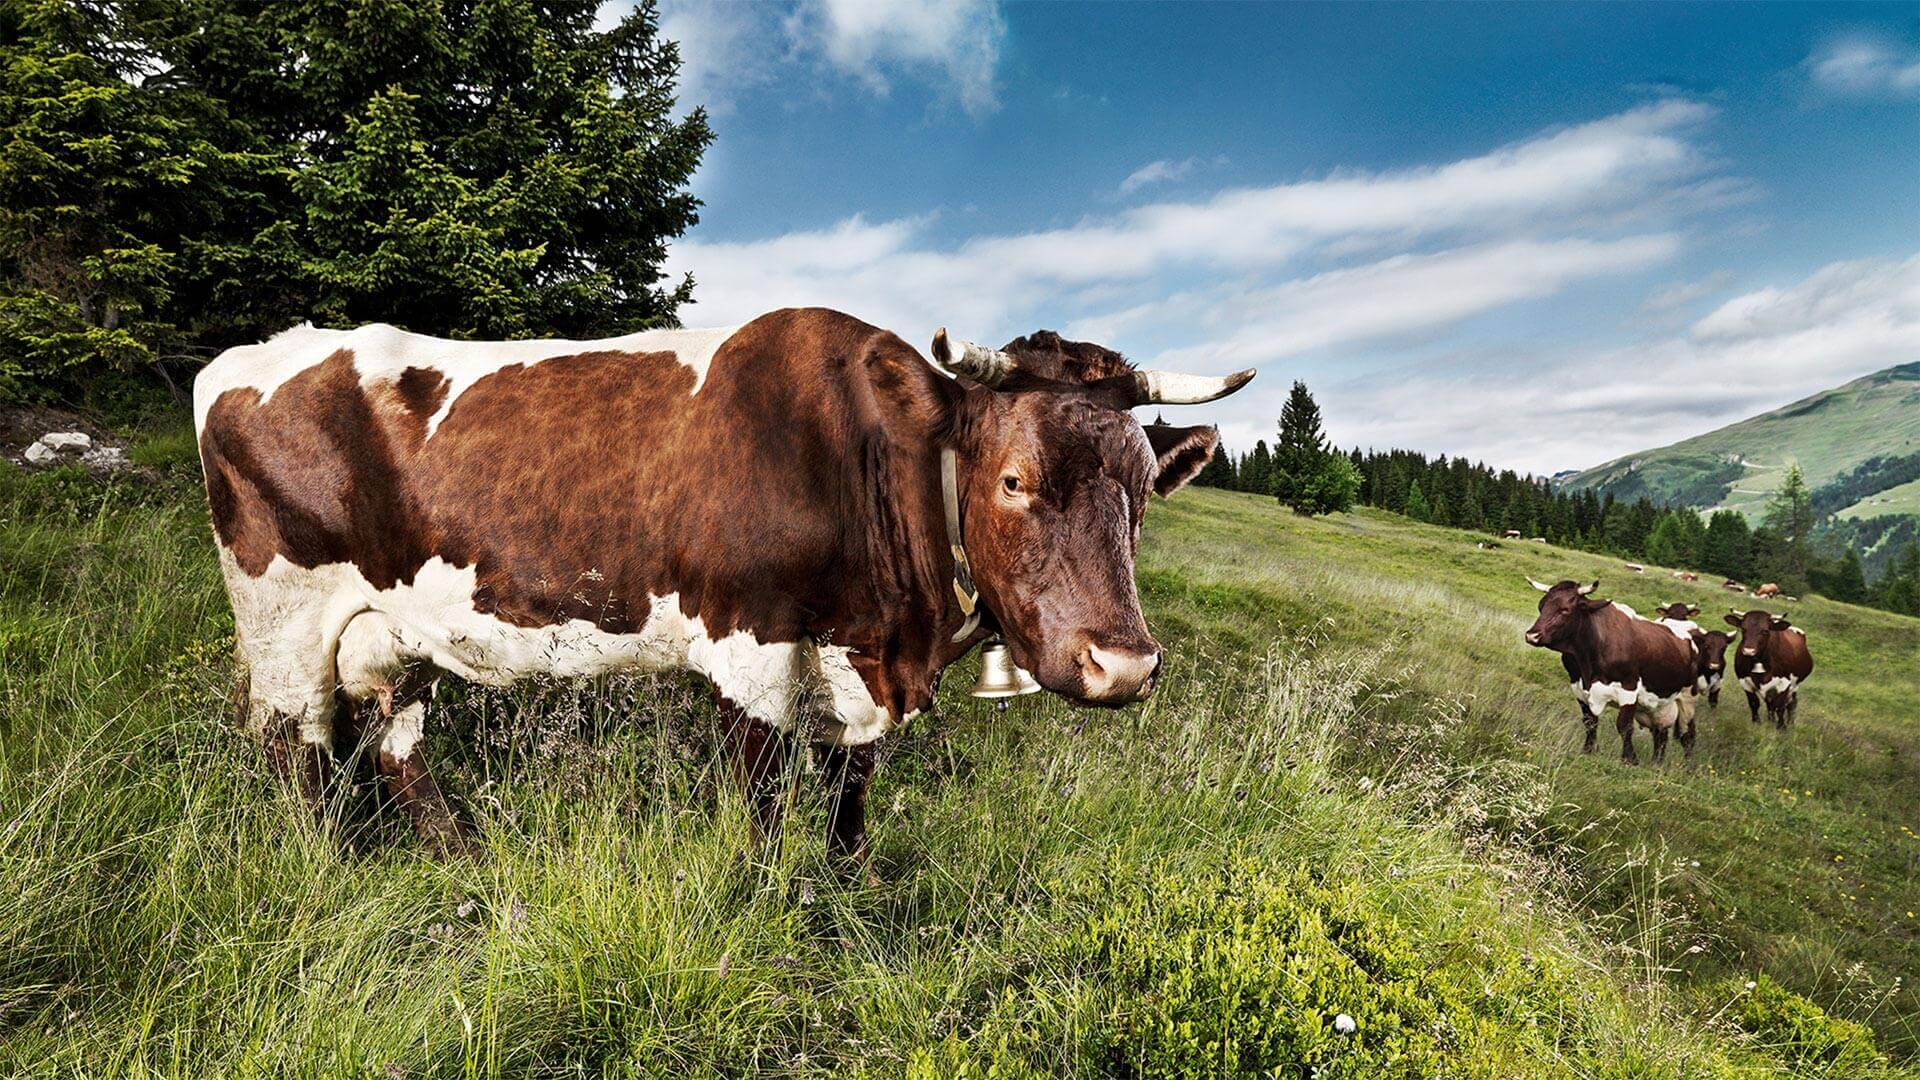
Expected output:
(1118, 676)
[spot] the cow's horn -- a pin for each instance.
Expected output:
(1537, 585)
(1736, 613)
(1179, 388)
(988, 367)
(1585, 589)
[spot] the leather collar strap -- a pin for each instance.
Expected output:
(963, 587)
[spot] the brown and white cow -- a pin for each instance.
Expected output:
(1709, 648)
(1771, 663)
(1618, 659)
(763, 505)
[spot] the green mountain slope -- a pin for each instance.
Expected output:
(1738, 466)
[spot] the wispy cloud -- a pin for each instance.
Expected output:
(1682, 293)
(1754, 352)
(729, 49)
(1155, 172)
(1866, 65)
(957, 42)
(1614, 168)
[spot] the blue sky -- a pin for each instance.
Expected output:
(1539, 235)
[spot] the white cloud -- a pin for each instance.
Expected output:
(953, 44)
(1755, 352)
(727, 49)
(1681, 293)
(1155, 172)
(1865, 66)
(1614, 167)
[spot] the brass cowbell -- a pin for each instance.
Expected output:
(1000, 677)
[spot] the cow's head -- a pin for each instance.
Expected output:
(1679, 611)
(1754, 627)
(1056, 477)
(1712, 646)
(1561, 612)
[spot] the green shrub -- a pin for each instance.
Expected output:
(1250, 971)
(1802, 1035)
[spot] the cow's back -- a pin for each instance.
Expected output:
(578, 480)
(1787, 654)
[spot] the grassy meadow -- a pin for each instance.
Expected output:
(1351, 836)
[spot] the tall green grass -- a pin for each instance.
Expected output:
(1301, 824)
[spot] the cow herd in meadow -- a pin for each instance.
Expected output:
(1654, 671)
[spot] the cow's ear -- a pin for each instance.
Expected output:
(1181, 453)
(1692, 610)
(1780, 623)
(1733, 620)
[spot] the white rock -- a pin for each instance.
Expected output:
(67, 440)
(41, 453)
(1344, 1024)
(105, 457)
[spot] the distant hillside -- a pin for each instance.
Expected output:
(1859, 445)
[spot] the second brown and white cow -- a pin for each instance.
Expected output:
(1709, 646)
(1617, 659)
(1771, 663)
(802, 510)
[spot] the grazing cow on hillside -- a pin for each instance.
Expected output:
(801, 509)
(1767, 591)
(1733, 586)
(1771, 663)
(1617, 658)
(1686, 575)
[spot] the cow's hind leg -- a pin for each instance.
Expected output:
(847, 770)
(1625, 724)
(401, 764)
(1591, 721)
(1687, 728)
(1659, 744)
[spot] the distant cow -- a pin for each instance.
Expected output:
(1771, 663)
(1686, 575)
(1616, 658)
(1636, 567)
(1767, 591)
(1510, 534)
(1733, 586)
(777, 507)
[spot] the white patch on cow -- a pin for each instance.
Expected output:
(405, 730)
(1624, 609)
(1602, 695)
(1682, 628)
(381, 353)
(302, 631)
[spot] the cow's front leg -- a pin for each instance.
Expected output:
(759, 756)
(1777, 705)
(1753, 706)
(303, 760)
(1713, 696)
(846, 771)
(1625, 724)
(1591, 720)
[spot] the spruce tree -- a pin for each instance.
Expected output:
(1790, 518)
(1417, 507)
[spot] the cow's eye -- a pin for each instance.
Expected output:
(1011, 483)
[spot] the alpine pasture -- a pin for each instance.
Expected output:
(1352, 835)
